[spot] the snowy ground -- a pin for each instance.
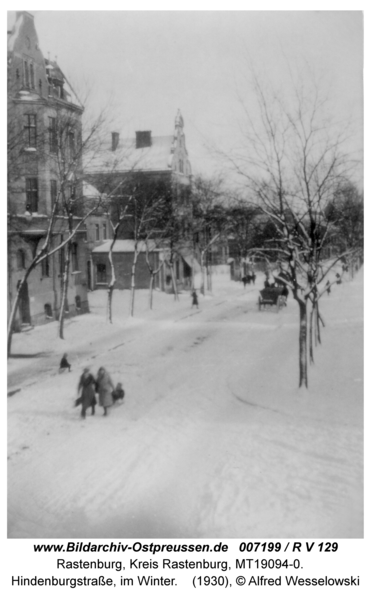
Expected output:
(214, 439)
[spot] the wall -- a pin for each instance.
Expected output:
(123, 264)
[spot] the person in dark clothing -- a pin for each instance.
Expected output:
(285, 293)
(64, 364)
(87, 388)
(328, 287)
(118, 393)
(194, 299)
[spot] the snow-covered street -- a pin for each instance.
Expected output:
(214, 438)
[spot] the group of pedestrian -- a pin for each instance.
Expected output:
(102, 385)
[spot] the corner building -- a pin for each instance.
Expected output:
(39, 98)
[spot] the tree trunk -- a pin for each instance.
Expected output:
(303, 327)
(113, 278)
(132, 285)
(66, 278)
(13, 311)
(175, 287)
(209, 278)
(320, 322)
(311, 356)
(151, 278)
(202, 273)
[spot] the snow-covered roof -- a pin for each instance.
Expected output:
(126, 157)
(14, 33)
(125, 246)
(89, 191)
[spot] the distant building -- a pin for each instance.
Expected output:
(123, 255)
(151, 163)
(39, 98)
(97, 227)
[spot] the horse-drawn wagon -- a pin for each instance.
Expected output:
(273, 296)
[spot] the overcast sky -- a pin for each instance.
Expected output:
(146, 65)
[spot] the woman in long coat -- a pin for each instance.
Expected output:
(104, 388)
(87, 388)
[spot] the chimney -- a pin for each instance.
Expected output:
(115, 140)
(143, 139)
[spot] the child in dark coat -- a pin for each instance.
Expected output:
(64, 364)
(118, 393)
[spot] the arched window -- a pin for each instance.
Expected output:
(21, 259)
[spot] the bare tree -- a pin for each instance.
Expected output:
(209, 223)
(293, 164)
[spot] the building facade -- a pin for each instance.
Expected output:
(141, 172)
(44, 131)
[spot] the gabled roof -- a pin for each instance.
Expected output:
(126, 157)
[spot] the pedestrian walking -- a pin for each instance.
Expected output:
(328, 287)
(104, 388)
(194, 299)
(64, 364)
(87, 389)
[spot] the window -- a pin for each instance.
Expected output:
(104, 231)
(29, 125)
(32, 195)
(53, 192)
(71, 143)
(32, 76)
(97, 232)
(53, 141)
(75, 261)
(101, 273)
(21, 259)
(45, 267)
(26, 76)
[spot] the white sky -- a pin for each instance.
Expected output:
(146, 64)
